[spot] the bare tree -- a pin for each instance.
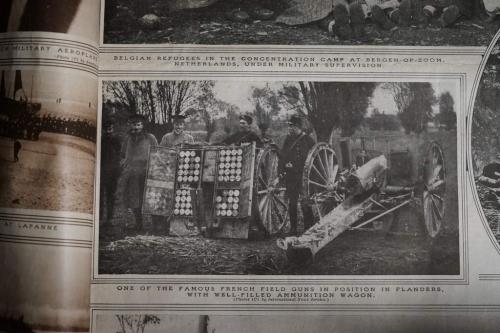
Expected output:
(158, 101)
(414, 101)
(331, 105)
(125, 93)
(267, 106)
(136, 323)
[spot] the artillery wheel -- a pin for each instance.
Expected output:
(271, 197)
(319, 176)
(433, 196)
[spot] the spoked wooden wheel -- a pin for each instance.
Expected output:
(271, 197)
(433, 199)
(320, 173)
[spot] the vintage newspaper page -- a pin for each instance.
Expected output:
(296, 166)
(48, 107)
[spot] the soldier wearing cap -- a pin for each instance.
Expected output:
(135, 153)
(175, 138)
(178, 136)
(110, 169)
(291, 166)
(245, 133)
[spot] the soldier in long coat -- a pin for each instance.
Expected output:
(291, 166)
(110, 170)
(177, 137)
(135, 152)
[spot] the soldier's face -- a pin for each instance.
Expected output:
(178, 127)
(244, 126)
(293, 130)
(136, 127)
(109, 130)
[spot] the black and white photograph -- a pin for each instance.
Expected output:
(485, 141)
(130, 322)
(47, 140)
(302, 22)
(76, 17)
(279, 177)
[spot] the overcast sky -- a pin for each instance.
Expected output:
(239, 93)
(76, 90)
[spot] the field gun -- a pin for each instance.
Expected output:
(364, 196)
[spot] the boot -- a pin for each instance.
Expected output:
(404, 13)
(341, 28)
(358, 20)
(379, 16)
(138, 219)
(449, 16)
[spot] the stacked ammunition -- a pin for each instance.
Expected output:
(156, 198)
(183, 203)
(230, 165)
(188, 175)
(227, 203)
(188, 166)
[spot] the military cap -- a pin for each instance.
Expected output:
(136, 118)
(178, 117)
(295, 121)
(246, 118)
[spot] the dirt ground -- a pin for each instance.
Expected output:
(404, 249)
(357, 252)
(53, 173)
(211, 26)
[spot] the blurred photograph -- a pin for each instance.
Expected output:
(47, 140)
(485, 142)
(125, 322)
(76, 17)
(306, 22)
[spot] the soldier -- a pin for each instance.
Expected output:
(135, 153)
(175, 138)
(362, 158)
(291, 165)
(178, 136)
(17, 149)
(110, 170)
(422, 11)
(245, 133)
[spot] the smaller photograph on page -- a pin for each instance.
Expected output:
(279, 178)
(128, 322)
(305, 22)
(485, 142)
(44, 288)
(47, 140)
(76, 17)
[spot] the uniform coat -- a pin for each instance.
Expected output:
(291, 167)
(172, 139)
(294, 151)
(135, 154)
(243, 137)
(110, 171)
